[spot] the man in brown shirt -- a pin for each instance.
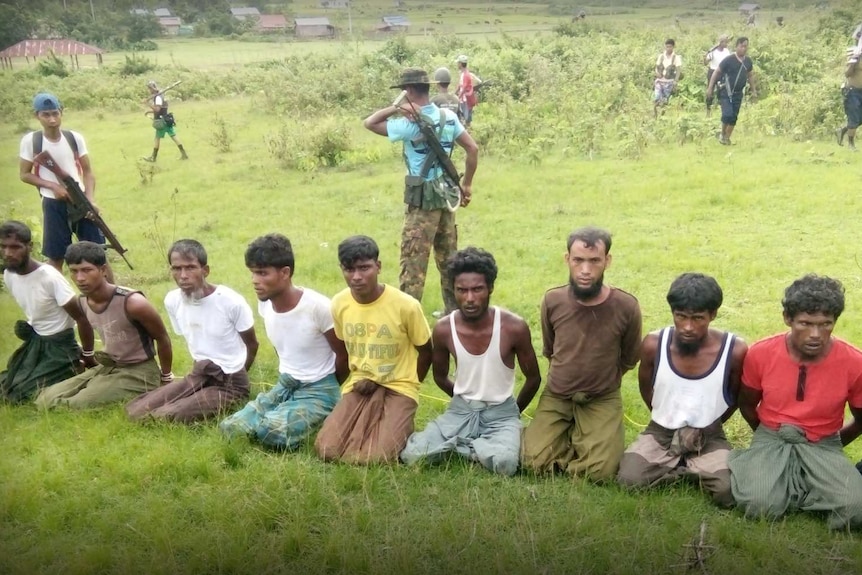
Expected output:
(591, 334)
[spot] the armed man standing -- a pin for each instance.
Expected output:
(163, 121)
(432, 191)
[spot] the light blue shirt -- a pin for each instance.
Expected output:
(403, 130)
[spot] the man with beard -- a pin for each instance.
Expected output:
(689, 379)
(311, 359)
(218, 327)
(49, 352)
(388, 344)
(127, 324)
(795, 387)
(482, 422)
(591, 334)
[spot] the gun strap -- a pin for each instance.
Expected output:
(431, 159)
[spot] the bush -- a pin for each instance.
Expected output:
(136, 65)
(53, 65)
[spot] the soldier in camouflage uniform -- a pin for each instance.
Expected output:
(430, 215)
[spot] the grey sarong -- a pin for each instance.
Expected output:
(782, 472)
(489, 434)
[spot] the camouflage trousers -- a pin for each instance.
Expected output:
(424, 229)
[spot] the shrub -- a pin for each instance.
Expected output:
(136, 65)
(53, 65)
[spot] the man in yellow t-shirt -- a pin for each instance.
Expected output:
(389, 351)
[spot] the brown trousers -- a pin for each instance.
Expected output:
(206, 391)
(367, 428)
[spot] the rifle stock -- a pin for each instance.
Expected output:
(80, 206)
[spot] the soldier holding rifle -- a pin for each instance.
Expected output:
(163, 121)
(432, 189)
(70, 153)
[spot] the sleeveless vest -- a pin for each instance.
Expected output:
(680, 401)
(482, 377)
(126, 341)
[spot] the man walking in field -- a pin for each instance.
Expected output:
(591, 334)
(389, 350)
(689, 380)
(311, 359)
(431, 200)
(218, 327)
(482, 421)
(795, 387)
(49, 352)
(731, 76)
(712, 59)
(69, 151)
(466, 91)
(852, 91)
(163, 122)
(668, 71)
(127, 324)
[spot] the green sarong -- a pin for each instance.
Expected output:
(41, 361)
(783, 472)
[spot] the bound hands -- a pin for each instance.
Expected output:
(364, 387)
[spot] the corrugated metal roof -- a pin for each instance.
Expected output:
(245, 11)
(396, 20)
(272, 21)
(747, 7)
(35, 48)
(171, 21)
(162, 13)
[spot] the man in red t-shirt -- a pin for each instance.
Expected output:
(794, 389)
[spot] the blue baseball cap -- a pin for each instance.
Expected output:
(45, 102)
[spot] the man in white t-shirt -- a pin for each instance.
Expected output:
(668, 72)
(312, 361)
(483, 420)
(49, 353)
(69, 152)
(218, 327)
(712, 59)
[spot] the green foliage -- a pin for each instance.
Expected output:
(308, 146)
(136, 65)
(329, 142)
(53, 65)
(398, 50)
(142, 27)
(220, 137)
(16, 23)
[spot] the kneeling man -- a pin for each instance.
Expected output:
(482, 421)
(127, 324)
(218, 327)
(689, 378)
(311, 360)
(49, 352)
(795, 386)
(389, 350)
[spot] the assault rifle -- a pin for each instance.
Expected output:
(79, 206)
(426, 128)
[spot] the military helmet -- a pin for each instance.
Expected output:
(442, 76)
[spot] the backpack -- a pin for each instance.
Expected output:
(38, 137)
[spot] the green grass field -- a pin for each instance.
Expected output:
(92, 493)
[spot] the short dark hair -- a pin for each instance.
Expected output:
(356, 248)
(472, 260)
(669, 41)
(590, 235)
(17, 230)
(89, 252)
(270, 251)
(695, 292)
(421, 89)
(814, 294)
(188, 248)
(741, 40)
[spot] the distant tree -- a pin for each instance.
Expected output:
(142, 27)
(16, 24)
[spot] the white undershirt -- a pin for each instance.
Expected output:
(42, 294)
(211, 326)
(297, 335)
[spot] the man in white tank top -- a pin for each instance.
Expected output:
(689, 378)
(482, 422)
